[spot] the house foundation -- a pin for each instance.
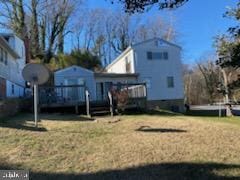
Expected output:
(176, 105)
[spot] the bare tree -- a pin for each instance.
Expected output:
(100, 33)
(212, 77)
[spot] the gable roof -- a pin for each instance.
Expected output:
(156, 38)
(119, 57)
(5, 45)
(137, 44)
(71, 67)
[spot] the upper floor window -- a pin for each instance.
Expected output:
(170, 82)
(3, 56)
(157, 55)
(128, 65)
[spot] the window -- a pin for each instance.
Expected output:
(99, 90)
(165, 55)
(5, 58)
(157, 55)
(1, 54)
(128, 65)
(13, 89)
(149, 55)
(170, 82)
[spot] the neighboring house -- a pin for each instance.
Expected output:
(12, 61)
(155, 62)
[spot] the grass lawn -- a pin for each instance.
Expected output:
(136, 147)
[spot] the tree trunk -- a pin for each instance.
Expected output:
(228, 106)
(34, 30)
(43, 35)
(61, 42)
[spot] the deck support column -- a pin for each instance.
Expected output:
(76, 109)
(111, 103)
(87, 103)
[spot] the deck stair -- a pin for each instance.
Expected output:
(100, 108)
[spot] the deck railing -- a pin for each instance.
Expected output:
(68, 95)
(119, 95)
(137, 90)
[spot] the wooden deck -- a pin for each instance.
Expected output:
(65, 104)
(130, 95)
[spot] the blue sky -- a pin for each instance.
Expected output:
(197, 22)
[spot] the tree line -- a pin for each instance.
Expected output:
(217, 78)
(98, 34)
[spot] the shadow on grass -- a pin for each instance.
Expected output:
(159, 112)
(21, 122)
(25, 121)
(65, 117)
(159, 130)
(22, 127)
(170, 171)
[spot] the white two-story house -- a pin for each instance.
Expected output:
(155, 62)
(158, 63)
(12, 61)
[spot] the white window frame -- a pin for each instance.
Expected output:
(151, 55)
(173, 83)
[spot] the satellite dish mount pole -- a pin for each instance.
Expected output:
(36, 74)
(35, 89)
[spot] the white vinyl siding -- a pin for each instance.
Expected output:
(154, 61)
(148, 82)
(159, 70)
(14, 90)
(120, 65)
(80, 75)
(11, 67)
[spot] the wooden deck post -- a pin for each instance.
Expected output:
(76, 109)
(111, 103)
(87, 103)
(145, 95)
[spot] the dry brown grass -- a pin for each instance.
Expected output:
(137, 147)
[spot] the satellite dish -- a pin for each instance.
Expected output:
(35, 73)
